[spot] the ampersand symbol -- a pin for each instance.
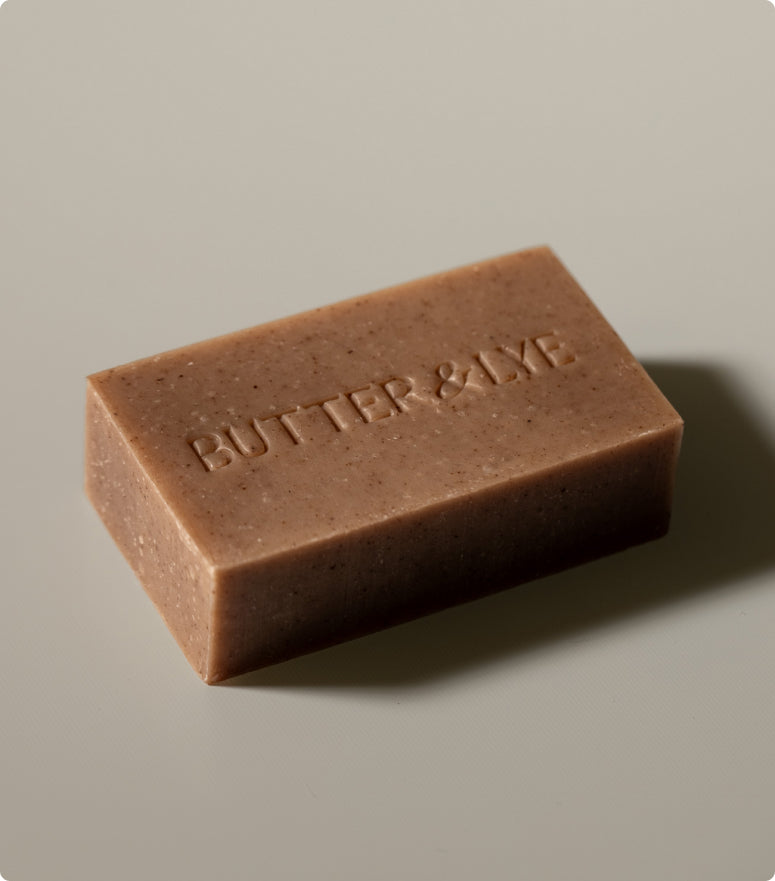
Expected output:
(454, 378)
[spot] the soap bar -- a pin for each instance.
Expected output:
(317, 478)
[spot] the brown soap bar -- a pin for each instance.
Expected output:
(293, 485)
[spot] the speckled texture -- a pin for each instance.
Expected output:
(302, 482)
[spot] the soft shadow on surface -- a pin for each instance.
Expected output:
(722, 530)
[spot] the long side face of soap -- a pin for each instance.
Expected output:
(303, 482)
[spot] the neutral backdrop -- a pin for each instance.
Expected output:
(175, 169)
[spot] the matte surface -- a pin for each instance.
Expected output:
(171, 170)
(291, 485)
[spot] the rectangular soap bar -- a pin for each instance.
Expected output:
(293, 485)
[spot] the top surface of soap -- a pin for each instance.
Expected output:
(324, 422)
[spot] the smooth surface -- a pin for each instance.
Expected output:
(173, 170)
(473, 429)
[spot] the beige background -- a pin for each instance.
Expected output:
(170, 170)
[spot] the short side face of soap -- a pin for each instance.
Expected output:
(302, 482)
